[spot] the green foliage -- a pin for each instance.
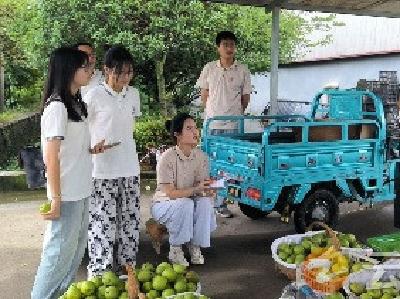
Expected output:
(150, 132)
(171, 40)
(20, 33)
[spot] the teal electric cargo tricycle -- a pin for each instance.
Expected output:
(306, 164)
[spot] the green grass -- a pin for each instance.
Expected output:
(29, 195)
(20, 196)
(11, 114)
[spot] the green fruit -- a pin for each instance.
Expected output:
(356, 267)
(351, 238)
(180, 277)
(144, 275)
(161, 267)
(376, 294)
(96, 280)
(306, 244)
(202, 297)
(283, 256)
(101, 292)
(284, 247)
(121, 286)
(153, 294)
(365, 296)
(148, 267)
(169, 274)
(179, 269)
(189, 296)
(180, 286)
(45, 207)
(191, 287)
(357, 288)
(387, 296)
(192, 276)
(110, 279)
(88, 288)
(299, 259)
(123, 295)
(147, 286)
(298, 249)
(290, 260)
(111, 292)
(79, 285)
(345, 243)
(168, 292)
(180, 296)
(94, 297)
(73, 293)
(159, 283)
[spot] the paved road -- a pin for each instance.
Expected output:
(239, 265)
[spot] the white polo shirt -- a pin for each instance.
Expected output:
(226, 87)
(75, 160)
(111, 117)
(97, 79)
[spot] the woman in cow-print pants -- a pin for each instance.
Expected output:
(114, 207)
(113, 224)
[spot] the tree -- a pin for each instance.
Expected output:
(171, 39)
(21, 36)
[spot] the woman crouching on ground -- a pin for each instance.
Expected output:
(183, 201)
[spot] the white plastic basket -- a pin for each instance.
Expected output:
(289, 239)
(297, 238)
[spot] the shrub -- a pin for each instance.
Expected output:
(150, 132)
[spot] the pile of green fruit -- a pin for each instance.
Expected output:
(296, 253)
(379, 290)
(166, 280)
(107, 286)
(162, 281)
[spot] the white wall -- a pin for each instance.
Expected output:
(359, 35)
(301, 83)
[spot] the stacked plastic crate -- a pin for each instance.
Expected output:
(387, 87)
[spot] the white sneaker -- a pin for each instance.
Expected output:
(195, 255)
(176, 256)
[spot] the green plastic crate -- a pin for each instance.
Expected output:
(385, 243)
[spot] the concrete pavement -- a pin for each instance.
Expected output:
(239, 265)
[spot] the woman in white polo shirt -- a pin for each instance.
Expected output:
(65, 144)
(114, 207)
(183, 201)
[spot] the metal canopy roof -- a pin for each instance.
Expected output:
(377, 8)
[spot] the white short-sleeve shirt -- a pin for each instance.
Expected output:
(75, 160)
(111, 117)
(96, 80)
(226, 87)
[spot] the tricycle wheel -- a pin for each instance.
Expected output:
(320, 205)
(252, 212)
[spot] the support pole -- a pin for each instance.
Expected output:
(2, 99)
(274, 60)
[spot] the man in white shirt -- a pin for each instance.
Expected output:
(97, 76)
(225, 91)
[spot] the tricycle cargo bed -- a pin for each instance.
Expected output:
(306, 164)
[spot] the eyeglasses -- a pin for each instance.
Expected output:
(86, 67)
(228, 44)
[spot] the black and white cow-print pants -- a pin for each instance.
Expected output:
(113, 235)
